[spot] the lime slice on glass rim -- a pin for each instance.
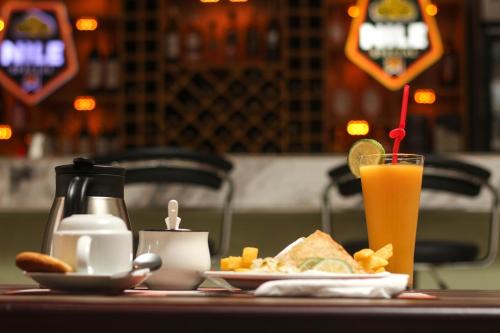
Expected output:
(363, 147)
(331, 265)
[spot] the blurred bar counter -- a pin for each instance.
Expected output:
(284, 183)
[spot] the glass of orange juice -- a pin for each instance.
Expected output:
(391, 196)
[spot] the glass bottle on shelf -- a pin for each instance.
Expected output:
(94, 70)
(84, 140)
(112, 71)
(65, 143)
(50, 147)
(193, 43)
(212, 43)
(449, 65)
(172, 37)
(18, 117)
(252, 38)
(273, 39)
(66, 134)
(114, 140)
(102, 143)
(336, 29)
(231, 48)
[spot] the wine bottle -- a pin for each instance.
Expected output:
(252, 38)
(84, 142)
(102, 143)
(232, 37)
(449, 65)
(273, 39)
(336, 30)
(112, 70)
(212, 42)
(193, 43)
(94, 70)
(172, 38)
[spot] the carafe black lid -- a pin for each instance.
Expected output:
(103, 180)
(85, 166)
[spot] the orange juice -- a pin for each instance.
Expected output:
(391, 195)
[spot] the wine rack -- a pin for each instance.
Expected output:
(142, 81)
(240, 106)
(220, 109)
(304, 57)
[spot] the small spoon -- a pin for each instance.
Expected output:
(149, 261)
(173, 220)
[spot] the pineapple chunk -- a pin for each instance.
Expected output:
(242, 270)
(233, 263)
(248, 256)
(224, 264)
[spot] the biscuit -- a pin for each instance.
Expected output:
(39, 262)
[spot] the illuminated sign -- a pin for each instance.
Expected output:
(37, 54)
(394, 40)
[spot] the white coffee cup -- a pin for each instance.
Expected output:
(97, 244)
(184, 253)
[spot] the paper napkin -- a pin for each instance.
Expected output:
(380, 287)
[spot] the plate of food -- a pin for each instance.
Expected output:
(317, 256)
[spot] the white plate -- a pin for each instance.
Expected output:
(89, 283)
(251, 280)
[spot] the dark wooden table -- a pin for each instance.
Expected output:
(37, 311)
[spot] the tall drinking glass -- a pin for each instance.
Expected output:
(391, 196)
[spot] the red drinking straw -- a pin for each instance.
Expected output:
(399, 133)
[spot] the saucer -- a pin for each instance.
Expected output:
(252, 280)
(78, 282)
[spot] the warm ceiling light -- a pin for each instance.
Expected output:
(431, 9)
(2, 25)
(5, 132)
(424, 96)
(209, 1)
(358, 127)
(353, 11)
(84, 103)
(86, 24)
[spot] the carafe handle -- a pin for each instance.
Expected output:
(75, 201)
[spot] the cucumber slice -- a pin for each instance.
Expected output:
(333, 266)
(363, 147)
(309, 264)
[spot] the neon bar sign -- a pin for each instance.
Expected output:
(37, 53)
(394, 40)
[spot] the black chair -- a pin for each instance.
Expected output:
(442, 175)
(168, 165)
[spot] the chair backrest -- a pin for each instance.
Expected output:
(204, 169)
(186, 167)
(170, 153)
(440, 174)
